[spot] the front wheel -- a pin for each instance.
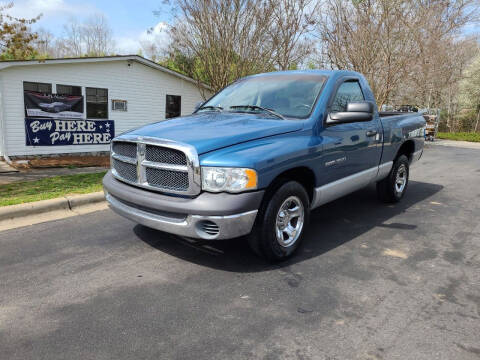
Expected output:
(281, 222)
(393, 187)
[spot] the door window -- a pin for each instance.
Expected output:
(349, 91)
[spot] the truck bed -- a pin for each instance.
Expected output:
(393, 113)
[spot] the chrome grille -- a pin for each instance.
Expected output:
(125, 149)
(167, 179)
(125, 170)
(156, 164)
(165, 155)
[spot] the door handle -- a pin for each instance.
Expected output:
(371, 133)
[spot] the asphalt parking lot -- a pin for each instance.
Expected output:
(370, 282)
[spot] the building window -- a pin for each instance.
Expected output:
(97, 103)
(37, 87)
(173, 106)
(69, 90)
(119, 105)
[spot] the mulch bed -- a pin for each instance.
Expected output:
(63, 161)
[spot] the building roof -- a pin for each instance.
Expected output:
(139, 59)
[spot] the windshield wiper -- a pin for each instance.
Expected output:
(255, 107)
(208, 107)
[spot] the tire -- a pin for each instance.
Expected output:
(279, 228)
(393, 187)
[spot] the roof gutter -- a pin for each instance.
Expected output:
(137, 58)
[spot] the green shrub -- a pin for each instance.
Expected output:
(464, 136)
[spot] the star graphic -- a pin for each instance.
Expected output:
(36, 140)
(107, 125)
(101, 127)
(108, 130)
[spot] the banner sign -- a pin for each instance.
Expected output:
(53, 105)
(55, 132)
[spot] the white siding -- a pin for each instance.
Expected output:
(143, 87)
(2, 134)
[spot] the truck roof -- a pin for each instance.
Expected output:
(323, 72)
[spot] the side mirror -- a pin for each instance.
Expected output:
(197, 105)
(356, 111)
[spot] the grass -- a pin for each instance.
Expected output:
(50, 188)
(464, 136)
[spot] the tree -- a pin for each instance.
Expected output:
(368, 37)
(224, 40)
(395, 44)
(16, 38)
(44, 43)
(72, 44)
(441, 54)
(92, 37)
(470, 90)
(97, 36)
(227, 39)
(434, 79)
(178, 62)
(293, 20)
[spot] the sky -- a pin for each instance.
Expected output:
(129, 20)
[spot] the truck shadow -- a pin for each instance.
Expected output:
(331, 225)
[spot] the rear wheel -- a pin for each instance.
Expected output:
(393, 187)
(281, 222)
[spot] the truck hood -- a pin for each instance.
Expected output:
(211, 131)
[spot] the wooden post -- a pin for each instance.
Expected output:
(478, 118)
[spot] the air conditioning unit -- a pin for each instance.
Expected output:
(119, 105)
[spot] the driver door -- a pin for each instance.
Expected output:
(351, 148)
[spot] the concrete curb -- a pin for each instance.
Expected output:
(455, 143)
(39, 207)
(76, 201)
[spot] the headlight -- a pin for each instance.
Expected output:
(217, 179)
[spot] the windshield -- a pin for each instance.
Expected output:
(290, 95)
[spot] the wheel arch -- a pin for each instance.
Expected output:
(407, 148)
(301, 174)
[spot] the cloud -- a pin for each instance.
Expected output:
(49, 9)
(127, 45)
(157, 36)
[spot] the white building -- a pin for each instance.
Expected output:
(123, 91)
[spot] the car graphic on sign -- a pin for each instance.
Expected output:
(55, 107)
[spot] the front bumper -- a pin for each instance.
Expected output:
(208, 216)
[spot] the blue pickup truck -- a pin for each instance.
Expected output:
(258, 156)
